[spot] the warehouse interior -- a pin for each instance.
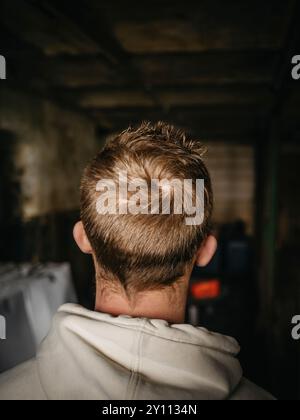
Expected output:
(79, 71)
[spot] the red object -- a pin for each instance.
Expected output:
(206, 289)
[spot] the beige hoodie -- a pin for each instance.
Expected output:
(95, 356)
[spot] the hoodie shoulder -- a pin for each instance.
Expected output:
(249, 391)
(21, 383)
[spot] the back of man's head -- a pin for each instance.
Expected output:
(145, 250)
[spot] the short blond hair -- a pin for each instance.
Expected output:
(145, 252)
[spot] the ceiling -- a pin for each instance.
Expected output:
(218, 68)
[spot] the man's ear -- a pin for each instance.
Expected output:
(81, 239)
(206, 251)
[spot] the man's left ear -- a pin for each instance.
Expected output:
(81, 239)
(206, 251)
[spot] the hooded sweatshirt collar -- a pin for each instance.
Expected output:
(91, 355)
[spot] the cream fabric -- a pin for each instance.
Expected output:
(95, 356)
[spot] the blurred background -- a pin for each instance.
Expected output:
(78, 71)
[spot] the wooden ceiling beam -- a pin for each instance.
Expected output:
(97, 28)
(172, 97)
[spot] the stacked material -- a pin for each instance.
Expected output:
(29, 298)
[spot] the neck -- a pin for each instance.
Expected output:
(168, 304)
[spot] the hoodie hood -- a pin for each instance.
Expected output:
(91, 355)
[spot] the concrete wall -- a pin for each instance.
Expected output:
(52, 147)
(233, 176)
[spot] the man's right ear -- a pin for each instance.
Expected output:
(81, 239)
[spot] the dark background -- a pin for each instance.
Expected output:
(78, 71)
